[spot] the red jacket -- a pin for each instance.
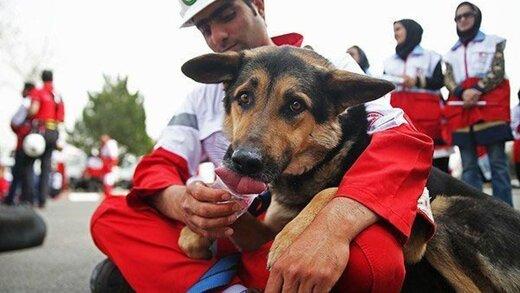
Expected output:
(24, 128)
(51, 105)
(4, 187)
(496, 109)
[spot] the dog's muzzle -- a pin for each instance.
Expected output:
(247, 161)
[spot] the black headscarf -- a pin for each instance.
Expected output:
(363, 60)
(466, 36)
(413, 37)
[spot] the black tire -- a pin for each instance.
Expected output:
(106, 278)
(20, 227)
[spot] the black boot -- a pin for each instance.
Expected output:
(106, 278)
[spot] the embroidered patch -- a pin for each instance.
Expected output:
(189, 2)
(372, 117)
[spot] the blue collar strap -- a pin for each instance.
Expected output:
(220, 274)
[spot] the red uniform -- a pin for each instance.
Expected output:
(20, 122)
(4, 187)
(421, 104)
(495, 109)
(109, 156)
(388, 178)
(470, 63)
(51, 109)
(515, 126)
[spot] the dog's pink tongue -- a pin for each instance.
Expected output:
(240, 184)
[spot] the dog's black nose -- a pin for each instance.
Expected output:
(247, 161)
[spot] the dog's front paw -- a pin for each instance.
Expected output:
(194, 245)
(281, 242)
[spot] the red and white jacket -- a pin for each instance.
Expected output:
(52, 109)
(20, 122)
(388, 178)
(473, 60)
(109, 153)
(515, 127)
(470, 63)
(423, 106)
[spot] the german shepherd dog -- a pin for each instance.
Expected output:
(296, 122)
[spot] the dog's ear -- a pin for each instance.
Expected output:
(351, 89)
(212, 68)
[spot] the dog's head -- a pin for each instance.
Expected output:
(281, 105)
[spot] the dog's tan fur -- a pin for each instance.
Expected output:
(415, 247)
(194, 245)
(293, 229)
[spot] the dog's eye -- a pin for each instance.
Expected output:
(296, 107)
(244, 99)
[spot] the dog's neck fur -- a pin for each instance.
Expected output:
(295, 191)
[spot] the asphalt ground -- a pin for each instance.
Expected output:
(66, 259)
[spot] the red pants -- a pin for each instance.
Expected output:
(143, 244)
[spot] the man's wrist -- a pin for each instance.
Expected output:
(167, 202)
(346, 218)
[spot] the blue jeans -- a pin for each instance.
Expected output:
(500, 180)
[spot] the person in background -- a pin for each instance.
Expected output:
(109, 155)
(478, 109)
(47, 112)
(59, 181)
(4, 183)
(361, 58)
(417, 74)
(22, 170)
(515, 127)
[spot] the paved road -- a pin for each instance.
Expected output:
(65, 261)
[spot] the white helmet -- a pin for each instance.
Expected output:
(34, 145)
(191, 7)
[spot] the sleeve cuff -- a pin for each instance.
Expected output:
(156, 172)
(457, 92)
(374, 204)
(478, 88)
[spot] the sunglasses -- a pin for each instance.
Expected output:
(464, 15)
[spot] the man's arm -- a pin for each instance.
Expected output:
(384, 184)
(159, 181)
(390, 175)
(34, 108)
(60, 111)
(155, 173)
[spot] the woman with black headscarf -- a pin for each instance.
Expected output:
(478, 109)
(417, 73)
(360, 57)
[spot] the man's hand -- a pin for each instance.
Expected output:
(470, 97)
(317, 259)
(200, 207)
(313, 263)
